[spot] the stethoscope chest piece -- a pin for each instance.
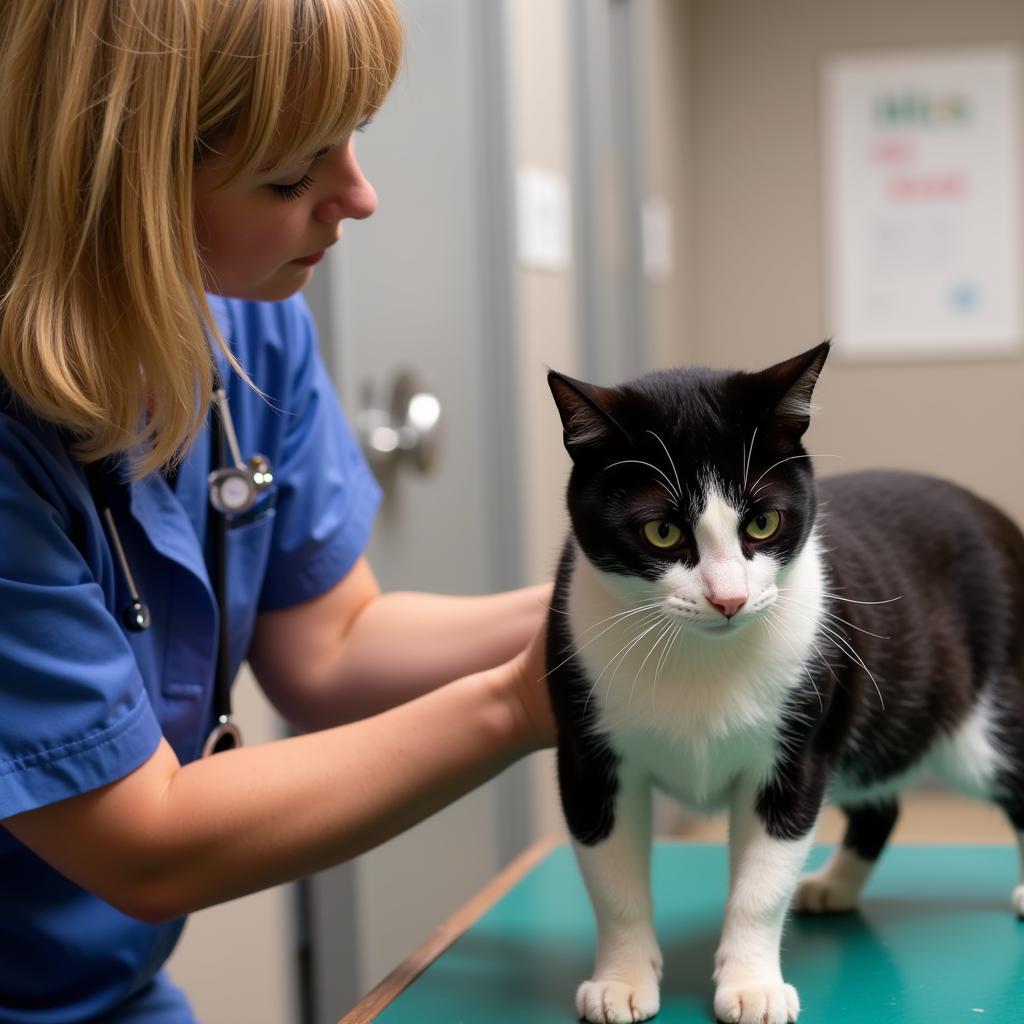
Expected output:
(232, 490)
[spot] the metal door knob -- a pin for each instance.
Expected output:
(407, 432)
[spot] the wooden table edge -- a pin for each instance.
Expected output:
(464, 918)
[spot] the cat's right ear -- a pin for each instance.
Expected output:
(587, 425)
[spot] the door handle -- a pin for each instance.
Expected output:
(407, 432)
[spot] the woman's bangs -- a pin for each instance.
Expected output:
(344, 58)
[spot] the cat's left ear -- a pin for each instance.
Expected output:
(793, 381)
(587, 423)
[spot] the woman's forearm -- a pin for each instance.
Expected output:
(169, 839)
(402, 645)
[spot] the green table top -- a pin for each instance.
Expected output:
(935, 942)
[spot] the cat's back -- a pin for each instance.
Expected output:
(912, 516)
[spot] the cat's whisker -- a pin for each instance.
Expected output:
(746, 461)
(680, 628)
(825, 662)
(668, 490)
(821, 657)
(832, 615)
(754, 489)
(617, 617)
(836, 597)
(846, 622)
(621, 653)
(647, 605)
(671, 462)
(654, 647)
(840, 641)
(640, 462)
(621, 657)
(781, 634)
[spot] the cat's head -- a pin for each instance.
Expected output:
(692, 486)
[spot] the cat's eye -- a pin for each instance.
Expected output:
(662, 534)
(763, 525)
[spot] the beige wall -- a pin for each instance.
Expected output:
(755, 242)
(664, 89)
(546, 298)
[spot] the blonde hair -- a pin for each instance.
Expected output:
(107, 106)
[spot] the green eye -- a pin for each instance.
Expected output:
(662, 534)
(763, 525)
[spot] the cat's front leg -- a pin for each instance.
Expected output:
(624, 987)
(770, 835)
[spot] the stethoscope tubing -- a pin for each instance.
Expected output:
(222, 678)
(254, 477)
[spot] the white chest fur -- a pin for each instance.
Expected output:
(690, 710)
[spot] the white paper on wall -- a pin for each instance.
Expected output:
(923, 175)
(543, 219)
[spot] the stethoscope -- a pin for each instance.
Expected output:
(234, 490)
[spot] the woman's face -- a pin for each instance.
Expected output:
(254, 233)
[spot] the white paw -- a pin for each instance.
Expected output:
(1018, 901)
(757, 1003)
(824, 894)
(608, 1001)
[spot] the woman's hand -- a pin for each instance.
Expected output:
(528, 691)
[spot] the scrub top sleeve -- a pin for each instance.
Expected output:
(74, 714)
(327, 495)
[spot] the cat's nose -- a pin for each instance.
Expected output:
(728, 604)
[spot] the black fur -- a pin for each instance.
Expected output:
(586, 762)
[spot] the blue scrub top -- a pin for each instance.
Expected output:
(83, 702)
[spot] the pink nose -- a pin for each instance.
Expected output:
(728, 604)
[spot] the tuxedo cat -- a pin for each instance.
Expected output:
(740, 636)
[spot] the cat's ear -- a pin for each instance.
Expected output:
(792, 381)
(587, 423)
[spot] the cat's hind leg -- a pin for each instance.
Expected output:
(624, 987)
(1014, 809)
(836, 887)
(1005, 785)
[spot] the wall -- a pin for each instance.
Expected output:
(546, 313)
(664, 87)
(756, 247)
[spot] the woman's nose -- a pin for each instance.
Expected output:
(351, 197)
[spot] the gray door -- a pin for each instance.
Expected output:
(608, 173)
(425, 285)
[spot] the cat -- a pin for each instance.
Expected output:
(740, 636)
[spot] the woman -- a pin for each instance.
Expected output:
(170, 171)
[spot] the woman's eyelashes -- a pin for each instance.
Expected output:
(295, 189)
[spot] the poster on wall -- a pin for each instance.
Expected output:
(923, 214)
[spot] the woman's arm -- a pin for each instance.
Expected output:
(167, 839)
(354, 652)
